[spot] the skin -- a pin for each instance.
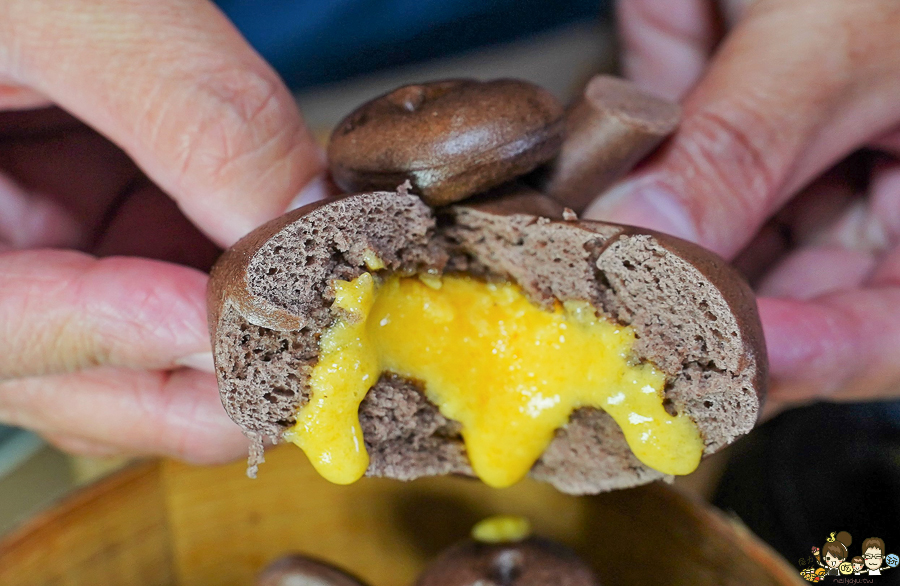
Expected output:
(179, 138)
(775, 94)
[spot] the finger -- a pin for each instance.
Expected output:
(733, 10)
(842, 345)
(885, 198)
(666, 45)
(813, 213)
(793, 89)
(799, 223)
(82, 447)
(17, 97)
(890, 142)
(887, 273)
(849, 207)
(816, 270)
(32, 220)
(62, 311)
(767, 248)
(176, 413)
(176, 86)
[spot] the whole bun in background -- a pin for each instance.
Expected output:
(534, 561)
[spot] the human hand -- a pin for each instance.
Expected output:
(93, 351)
(769, 107)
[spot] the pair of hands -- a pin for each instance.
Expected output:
(203, 143)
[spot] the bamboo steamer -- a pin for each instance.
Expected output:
(163, 523)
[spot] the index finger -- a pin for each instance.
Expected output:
(176, 86)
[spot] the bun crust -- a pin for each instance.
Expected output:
(450, 139)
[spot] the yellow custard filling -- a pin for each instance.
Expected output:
(509, 371)
(501, 529)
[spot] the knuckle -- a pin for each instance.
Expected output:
(57, 343)
(731, 154)
(236, 115)
(149, 323)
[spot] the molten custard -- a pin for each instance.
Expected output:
(508, 371)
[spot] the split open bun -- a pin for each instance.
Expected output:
(694, 317)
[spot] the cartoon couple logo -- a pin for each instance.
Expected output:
(832, 560)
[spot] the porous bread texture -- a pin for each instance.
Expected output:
(270, 298)
(695, 319)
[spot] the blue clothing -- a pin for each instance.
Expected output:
(311, 42)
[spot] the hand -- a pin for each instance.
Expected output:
(166, 101)
(769, 107)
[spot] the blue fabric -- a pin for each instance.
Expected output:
(311, 42)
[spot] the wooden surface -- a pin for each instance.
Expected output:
(111, 533)
(173, 524)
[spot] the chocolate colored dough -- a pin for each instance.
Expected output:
(298, 570)
(450, 139)
(531, 562)
(611, 127)
(695, 318)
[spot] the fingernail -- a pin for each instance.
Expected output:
(202, 361)
(315, 190)
(641, 203)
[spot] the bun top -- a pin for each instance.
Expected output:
(450, 139)
(531, 562)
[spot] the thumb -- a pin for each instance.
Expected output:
(174, 84)
(797, 86)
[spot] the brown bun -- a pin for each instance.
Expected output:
(298, 570)
(532, 562)
(450, 139)
(609, 128)
(270, 297)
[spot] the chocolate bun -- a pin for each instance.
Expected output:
(531, 562)
(609, 128)
(450, 139)
(299, 570)
(695, 319)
